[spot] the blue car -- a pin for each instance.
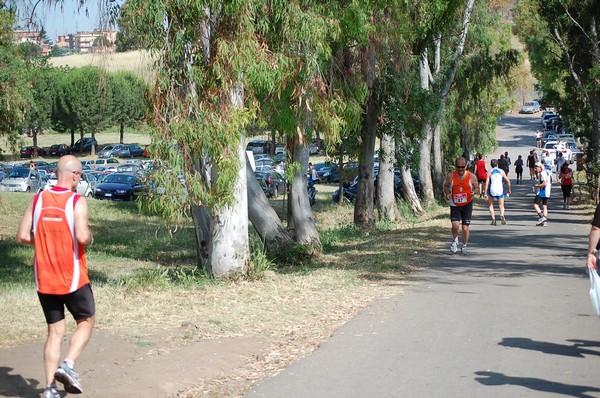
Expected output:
(119, 186)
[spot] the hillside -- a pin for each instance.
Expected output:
(138, 62)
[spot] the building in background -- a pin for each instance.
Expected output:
(96, 41)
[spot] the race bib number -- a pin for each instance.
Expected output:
(459, 198)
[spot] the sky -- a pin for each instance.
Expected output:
(69, 19)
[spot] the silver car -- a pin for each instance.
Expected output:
(84, 187)
(23, 179)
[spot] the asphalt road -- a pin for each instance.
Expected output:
(511, 319)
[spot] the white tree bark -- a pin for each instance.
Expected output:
(386, 200)
(229, 249)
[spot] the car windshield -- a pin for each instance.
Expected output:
(119, 179)
(19, 173)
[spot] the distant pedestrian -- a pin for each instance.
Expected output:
(459, 188)
(538, 139)
(542, 194)
(594, 241)
(531, 164)
(31, 165)
(503, 164)
(560, 161)
(494, 190)
(565, 176)
(481, 173)
(508, 162)
(519, 169)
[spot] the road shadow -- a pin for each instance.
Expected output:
(570, 390)
(576, 350)
(12, 385)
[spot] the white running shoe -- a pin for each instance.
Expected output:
(463, 250)
(541, 221)
(454, 246)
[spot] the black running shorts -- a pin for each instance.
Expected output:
(80, 304)
(462, 213)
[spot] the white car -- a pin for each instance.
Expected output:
(84, 187)
(530, 107)
(551, 147)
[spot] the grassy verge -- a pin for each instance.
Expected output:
(149, 289)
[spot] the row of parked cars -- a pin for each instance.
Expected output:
(556, 138)
(119, 181)
(111, 150)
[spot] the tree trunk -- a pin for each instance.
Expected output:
(386, 199)
(121, 132)
(81, 141)
(426, 139)
(343, 177)
(301, 220)
(364, 216)
(263, 217)
(409, 191)
(203, 227)
(34, 133)
(229, 250)
(93, 148)
(72, 138)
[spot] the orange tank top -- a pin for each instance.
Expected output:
(462, 192)
(60, 265)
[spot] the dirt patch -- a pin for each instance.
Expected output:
(113, 366)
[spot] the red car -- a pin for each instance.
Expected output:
(30, 152)
(59, 150)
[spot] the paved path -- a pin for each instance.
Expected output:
(512, 319)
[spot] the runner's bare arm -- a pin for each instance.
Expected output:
(82, 230)
(592, 258)
(25, 231)
(447, 184)
(475, 183)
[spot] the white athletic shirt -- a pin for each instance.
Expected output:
(545, 175)
(496, 188)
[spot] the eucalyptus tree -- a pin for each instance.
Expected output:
(129, 100)
(210, 60)
(14, 82)
(298, 32)
(435, 21)
(484, 82)
(570, 31)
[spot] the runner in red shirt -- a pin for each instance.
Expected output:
(481, 173)
(459, 188)
(56, 223)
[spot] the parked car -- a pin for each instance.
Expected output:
(59, 150)
(84, 146)
(84, 187)
(551, 147)
(31, 151)
(114, 150)
(272, 182)
(119, 186)
(128, 168)
(2, 174)
(259, 146)
(530, 107)
(328, 172)
(23, 179)
(135, 151)
(95, 164)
